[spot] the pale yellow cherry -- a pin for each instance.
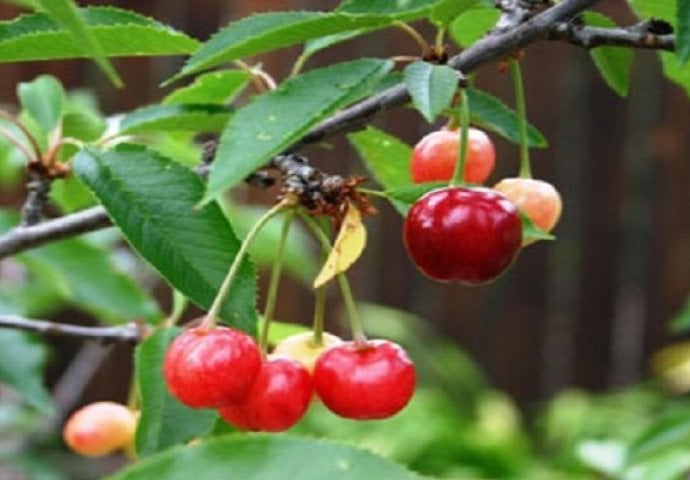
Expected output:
(302, 348)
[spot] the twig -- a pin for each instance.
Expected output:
(130, 332)
(38, 188)
(23, 238)
(637, 36)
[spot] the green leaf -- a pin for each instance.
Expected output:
(672, 430)
(299, 258)
(659, 9)
(121, 33)
(387, 157)
(400, 9)
(614, 63)
(473, 25)
(171, 118)
(92, 281)
(276, 119)
(263, 457)
(164, 421)
(22, 358)
(679, 74)
(532, 233)
(431, 86)
(489, 112)
(409, 194)
(214, 87)
(66, 14)
(448, 10)
(269, 31)
(43, 99)
(683, 31)
(672, 464)
(152, 199)
(680, 322)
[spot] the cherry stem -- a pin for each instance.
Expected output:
(179, 305)
(521, 108)
(414, 34)
(32, 140)
(274, 283)
(211, 318)
(458, 178)
(440, 36)
(319, 312)
(353, 315)
(299, 63)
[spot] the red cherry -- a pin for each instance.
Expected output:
(469, 235)
(278, 399)
(209, 368)
(100, 428)
(435, 155)
(365, 382)
(537, 199)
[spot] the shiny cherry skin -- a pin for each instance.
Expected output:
(100, 428)
(470, 235)
(209, 368)
(365, 382)
(278, 399)
(435, 155)
(537, 199)
(301, 348)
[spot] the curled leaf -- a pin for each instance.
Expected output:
(348, 246)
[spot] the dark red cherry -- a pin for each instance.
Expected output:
(365, 382)
(278, 399)
(470, 235)
(209, 368)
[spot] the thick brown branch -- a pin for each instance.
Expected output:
(23, 238)
(637, 36)
(123, 333)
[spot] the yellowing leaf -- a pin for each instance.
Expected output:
(347, 248)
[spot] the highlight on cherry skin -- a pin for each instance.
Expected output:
(301, 347)
(100, 428)
(469, 235)
(278, 399)
(209, 368)
(365, 382)
(435, 155)
(537, 199)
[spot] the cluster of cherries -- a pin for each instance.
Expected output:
(471, 234)
(223, 368)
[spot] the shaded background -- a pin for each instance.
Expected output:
(586, 310)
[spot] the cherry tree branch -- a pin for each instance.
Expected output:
(641, 35)
(130, 332)
(518, 28)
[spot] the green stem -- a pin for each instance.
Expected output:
(413, 34)
(212, 317)
(274, 283)
(299, 64)
(319, 312)
(440, 36)
(373, 193)
(353, 315)
(521, 108)
(458, 178)
(180, 303)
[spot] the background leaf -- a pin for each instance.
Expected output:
(431, 86)
(164, 421)
(22, 358)
(614, 63)
(386, 156)
(446, 11)
(473, 25)
(152, 200)
(171, 118)
(66, 14)
(91, 281)
(121, 33)
(489, 112)
(274, 120)
(683, 31)
(213, 87)
(269, 31)
(260, 457)
(44, 99)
